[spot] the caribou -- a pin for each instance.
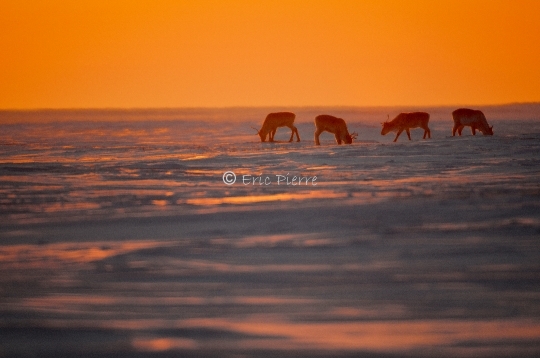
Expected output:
(334, 125)
(473, 118)
(275, 120)
(405, 122)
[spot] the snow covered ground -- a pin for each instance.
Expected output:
(118, 236)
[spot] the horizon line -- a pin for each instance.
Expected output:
(37, 109)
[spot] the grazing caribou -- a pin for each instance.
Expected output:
(405, 122)
(275, 120)
(334, 125)
(473, 118)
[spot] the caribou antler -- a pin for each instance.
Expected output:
(354, 135)
(256, 130)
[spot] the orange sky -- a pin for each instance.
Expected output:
(113, 53)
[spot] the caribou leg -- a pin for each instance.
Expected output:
(397, 135)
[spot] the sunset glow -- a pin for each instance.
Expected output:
(146, 208)
(59, 54)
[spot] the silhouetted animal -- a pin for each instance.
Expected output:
(473, 118)
(275, 120)
(334, 125)
(405, 122)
